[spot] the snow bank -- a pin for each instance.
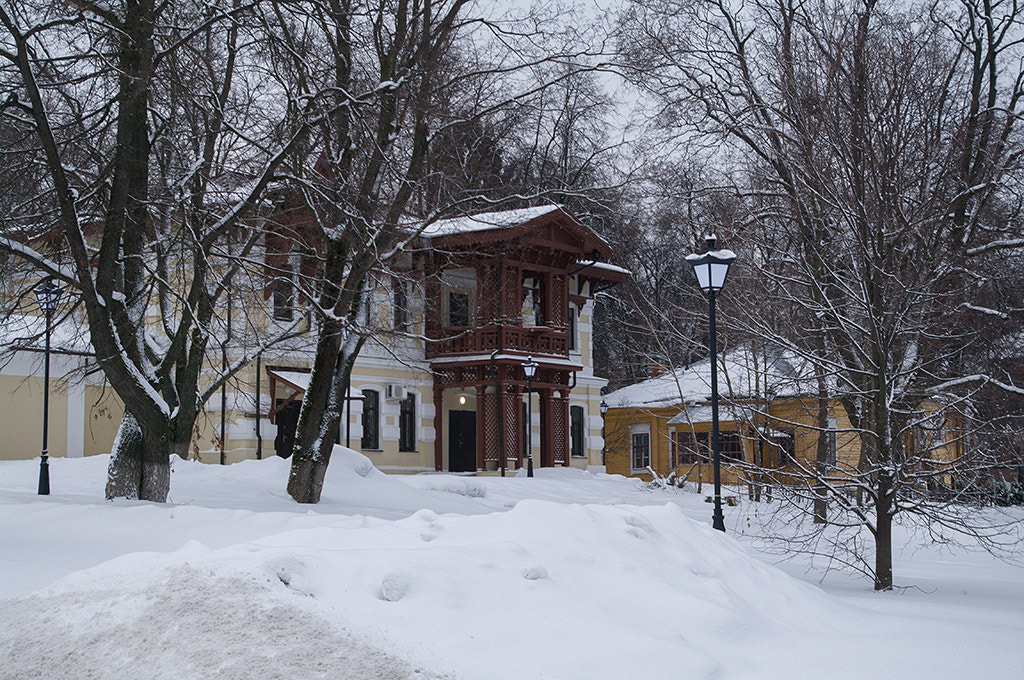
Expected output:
(152, 617)
(569, 575)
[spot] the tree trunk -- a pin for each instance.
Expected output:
(139, 466)
(321, 414)
(821, 455)
(883, 534)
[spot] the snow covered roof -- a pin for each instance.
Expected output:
(26, 332)
(605, 267)
(702, 414)
(486, 221)
(740, 372)
(297, 379)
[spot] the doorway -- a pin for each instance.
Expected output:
(462, 441)
(287, 420)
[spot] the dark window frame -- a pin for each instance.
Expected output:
(458, 312)
(573, 345)
(283, 299)
(577, 447)
(407, 423)
(688, 449)
(640, 445)
(371, 421)
(399, 304)
(785, 447)
(731, 446)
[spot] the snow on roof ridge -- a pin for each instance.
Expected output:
(501, 219)
(787, 376)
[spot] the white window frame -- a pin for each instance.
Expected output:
(634, 430)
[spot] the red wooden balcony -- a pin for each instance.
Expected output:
(539, 340)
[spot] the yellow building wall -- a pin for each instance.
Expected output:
(103, 411)
(21, 420)
(798, 415)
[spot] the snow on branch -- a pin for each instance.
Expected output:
(1001, 243)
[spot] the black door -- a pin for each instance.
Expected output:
(287, 419)
(462, 441)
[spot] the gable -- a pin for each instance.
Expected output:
(549, 227)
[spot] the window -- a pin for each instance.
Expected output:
(572, 329)
(833, 445)
(687, 449)
(731, 445)
(368, 305)
(934, 431)
(399, 304)
(785, 445)
(458, 309)
(641, 450)
(576, 447)
(284, 294)
(371, 419)
(407, 423)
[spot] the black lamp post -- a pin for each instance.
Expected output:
(711, 268)
(48, 296)
(604, 413)
(530, 369)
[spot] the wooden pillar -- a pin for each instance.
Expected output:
(555, 428)
(557, 301)
(481, 428)
(487, 406)
(512, 409)
(438, 427)
(511, 291)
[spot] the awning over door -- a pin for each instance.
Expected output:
(293, 383)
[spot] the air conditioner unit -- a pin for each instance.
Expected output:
(395, 392)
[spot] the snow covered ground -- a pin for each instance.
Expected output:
(568, 576)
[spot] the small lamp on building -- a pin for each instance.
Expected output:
(529, 369)
(711, 268)
(48, 296)
(604, 414)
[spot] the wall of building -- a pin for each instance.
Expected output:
(800, 416)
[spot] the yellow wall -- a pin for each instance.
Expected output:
(103, 411)
(21, 419)
(801, 416)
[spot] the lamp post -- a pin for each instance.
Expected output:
(711, 268)
(604, 414)
(48, 296)
(530, 369)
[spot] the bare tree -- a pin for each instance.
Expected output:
(876, 148)
(140, 131)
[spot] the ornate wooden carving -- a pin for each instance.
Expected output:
(511, 402)
(490, 427)
(558, 301)
(511, 304)
(559, 428)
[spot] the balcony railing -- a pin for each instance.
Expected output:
(539, 340)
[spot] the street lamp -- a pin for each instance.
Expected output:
(529, 369)
(48, 296)
(604, 413)
(711, 268)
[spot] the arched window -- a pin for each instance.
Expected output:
(371, 420)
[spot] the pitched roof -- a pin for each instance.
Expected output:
(492, 227)
(486, 221)
(741, 375)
